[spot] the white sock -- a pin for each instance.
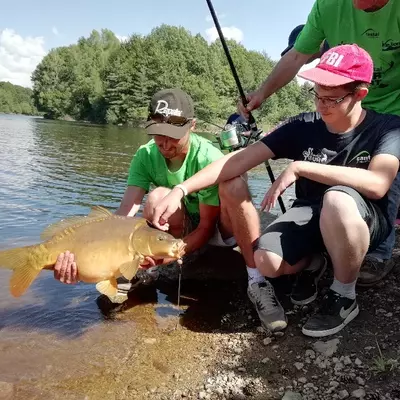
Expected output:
(254, 275)
(344, 289)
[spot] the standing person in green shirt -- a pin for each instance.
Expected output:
(374, 26)
(221, 215)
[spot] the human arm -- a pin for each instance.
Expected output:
(373, 182)
(305, 50)
(227, 167)
(201, 235)
(131, 201)
(284, 71)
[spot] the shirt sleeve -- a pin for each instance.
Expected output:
(283, 141)
(138, 173)
(312, 35)
(389, 143)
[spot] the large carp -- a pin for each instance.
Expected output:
(106, 246)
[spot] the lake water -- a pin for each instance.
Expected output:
(55, 335)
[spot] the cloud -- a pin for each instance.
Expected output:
(55, 30)
(229, 32)
(305, 67)
(122, 38)
(19, 56)
(209, 17)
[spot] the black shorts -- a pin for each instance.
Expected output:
(296, 234)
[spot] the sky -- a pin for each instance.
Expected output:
(29, 31)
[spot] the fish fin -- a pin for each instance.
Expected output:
(99, 211)
(108, 287)
(20, 262)
(14, 258)
(96, 212)
(56, 228)
(21, 279)
(129, 269)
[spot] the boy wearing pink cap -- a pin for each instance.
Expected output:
(374, 26)
(345, 160)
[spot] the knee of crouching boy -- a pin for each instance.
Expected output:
(233, 189)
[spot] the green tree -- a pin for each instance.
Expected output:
(102, 80)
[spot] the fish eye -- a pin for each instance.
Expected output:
(160, 238)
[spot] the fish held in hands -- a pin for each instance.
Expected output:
(106, 246)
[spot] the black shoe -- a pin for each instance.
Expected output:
(334, 313)
(305, 288)
(373, 271)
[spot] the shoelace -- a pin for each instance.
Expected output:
(265, 297)
(328, 303)
(372, 263)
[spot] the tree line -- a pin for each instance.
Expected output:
(16, 99)
(102, 80)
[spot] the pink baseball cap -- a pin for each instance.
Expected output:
(340, 65)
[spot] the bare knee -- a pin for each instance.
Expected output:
(235, 189)
(269, 264)
(338, 208)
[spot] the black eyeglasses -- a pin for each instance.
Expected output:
(329, 101)
(175, 120)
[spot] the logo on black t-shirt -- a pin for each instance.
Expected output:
(361, 158)
(320, 157)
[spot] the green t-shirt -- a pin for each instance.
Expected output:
(339, 22)
(148, 166)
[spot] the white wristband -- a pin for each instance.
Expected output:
(184, 190)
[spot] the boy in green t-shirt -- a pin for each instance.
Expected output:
(374, 26)
(221, 215)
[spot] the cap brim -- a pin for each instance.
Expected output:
(323, 77)
(163, 129)
(286, 50)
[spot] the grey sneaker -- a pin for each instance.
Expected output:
(270, 311)
(373, 271)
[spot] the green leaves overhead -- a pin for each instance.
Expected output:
(100, 79)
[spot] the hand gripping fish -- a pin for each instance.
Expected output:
(106, 246)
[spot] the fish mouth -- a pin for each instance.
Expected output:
(178, 249)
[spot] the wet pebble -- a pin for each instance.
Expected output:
(358, 393)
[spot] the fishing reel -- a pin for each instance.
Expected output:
(235, 137)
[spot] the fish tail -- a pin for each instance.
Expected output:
(24, 261)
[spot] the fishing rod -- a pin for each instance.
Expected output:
(252, 122)
(211, 123)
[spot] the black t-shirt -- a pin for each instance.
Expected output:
(306, 138)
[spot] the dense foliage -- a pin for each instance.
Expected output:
(16, 99)
(100, 79)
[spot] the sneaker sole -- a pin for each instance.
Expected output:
(314, 296)
(332, 331)
(370, 284)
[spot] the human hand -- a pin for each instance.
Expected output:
(285, 179)
(151, 262)
(65, 269)
(165, 208)
(255, 99)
